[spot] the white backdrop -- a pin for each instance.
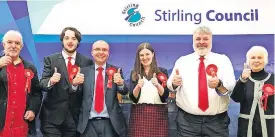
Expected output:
(105, 16)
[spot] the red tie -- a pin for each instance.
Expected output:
(99, 92)
(69, 68)
(203, 93)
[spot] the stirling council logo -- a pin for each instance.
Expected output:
(133, 16)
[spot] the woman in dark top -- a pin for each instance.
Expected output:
(149, 114)
(256, 119)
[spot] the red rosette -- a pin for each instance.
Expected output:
(110, 72)
(268, 90)
(212, 70)
(162, 78)
(29, 75)
(74, 71)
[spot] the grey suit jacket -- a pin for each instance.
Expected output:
(113, 107)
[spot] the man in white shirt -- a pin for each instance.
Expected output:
(202, 93)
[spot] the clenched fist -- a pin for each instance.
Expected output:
(177, 80)
(55, 78)
(246, 72)
(117, 78)
(79, 78)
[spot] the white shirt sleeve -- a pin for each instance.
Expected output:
(228, 77)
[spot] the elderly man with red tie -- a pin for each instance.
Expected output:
(202, 81)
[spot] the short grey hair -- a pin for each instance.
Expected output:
(4, 39)
(254, 49)
(203, 29)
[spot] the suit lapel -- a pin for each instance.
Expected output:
(3, 75)
(91, 82)
(106, 80)
(77, 60)
(63, 68)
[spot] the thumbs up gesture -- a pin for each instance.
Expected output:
(55, 78)
(78, 79)
(246, 71)
(117, 78)
(177, 80)
(154, 80)
(140, 82)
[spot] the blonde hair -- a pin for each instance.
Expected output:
(203, 29)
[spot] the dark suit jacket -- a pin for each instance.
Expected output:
(113, 108)
(134, 83)
(33, 98)
(60, 97)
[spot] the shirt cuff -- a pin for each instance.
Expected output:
(242, 80)
(120, 88)
(49, 84)
(221, 94)
(74, 88)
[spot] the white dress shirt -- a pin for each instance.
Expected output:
(65, 56)
(149, 93)
(187, 93)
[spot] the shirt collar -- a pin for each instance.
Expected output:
(104, 66)
(66, 55)
(206, 57)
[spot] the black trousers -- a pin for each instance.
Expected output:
(99, 127)
(66, 129)
(189, 125)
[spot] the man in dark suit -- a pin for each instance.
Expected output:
(100, 114)
(20, 94)
(60, 108)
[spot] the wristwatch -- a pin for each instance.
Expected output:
(219, 84)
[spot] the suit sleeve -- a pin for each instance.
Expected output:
(132, 87)
(35, 94)
(46, 75)
(238, 93)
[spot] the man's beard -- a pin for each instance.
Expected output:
(70, 51)
(202, 52)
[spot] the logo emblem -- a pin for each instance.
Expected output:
(132, 15)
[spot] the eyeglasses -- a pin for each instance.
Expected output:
(99, 49)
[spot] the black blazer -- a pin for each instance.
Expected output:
(113, 107)
(60, 97)
(134, 83)
(33, 98)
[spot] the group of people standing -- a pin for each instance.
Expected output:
(81, 97)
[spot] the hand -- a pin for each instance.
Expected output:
(117, 78)
(213, 82)
(154, 80)
(55, 78)
(177, 80)
(140, 82)
(79, 78)
(5, 60)
(246, 72)
(29, 115)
